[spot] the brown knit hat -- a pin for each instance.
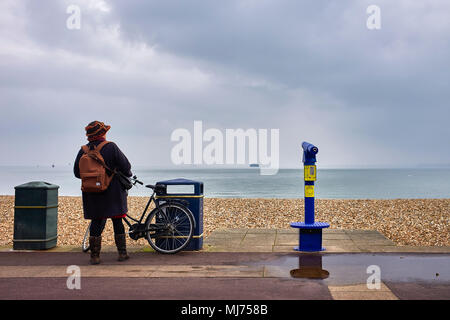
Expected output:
(96, 129)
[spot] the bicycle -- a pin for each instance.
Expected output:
(168, 228)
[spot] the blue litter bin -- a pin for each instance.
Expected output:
(192, 192)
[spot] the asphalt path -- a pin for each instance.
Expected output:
(177, 286)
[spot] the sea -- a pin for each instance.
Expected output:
(249, 183)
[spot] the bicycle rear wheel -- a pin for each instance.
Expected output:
(170, 228)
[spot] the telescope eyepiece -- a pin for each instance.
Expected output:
(310, 148)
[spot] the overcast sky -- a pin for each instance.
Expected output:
(309, 68)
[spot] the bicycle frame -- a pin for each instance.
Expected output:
(140, 221)
(152, 198)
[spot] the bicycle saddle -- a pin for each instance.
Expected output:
(157, 188)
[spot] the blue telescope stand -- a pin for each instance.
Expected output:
(310, 232)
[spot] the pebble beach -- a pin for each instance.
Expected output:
(416, 222)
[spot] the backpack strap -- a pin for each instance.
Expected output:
(101, 145)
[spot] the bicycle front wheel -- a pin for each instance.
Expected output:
(85, 245)
(169, 228)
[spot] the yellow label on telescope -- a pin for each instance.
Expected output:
(310, 173)
(309, 191)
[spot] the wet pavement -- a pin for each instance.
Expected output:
(404, 276)
(228, 275)
(352, 268)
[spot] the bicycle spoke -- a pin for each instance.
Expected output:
(169, 228)
(167, 243)
(183, 235)
(182, 220)
(164, 216)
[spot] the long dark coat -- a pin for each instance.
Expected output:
(113, 201)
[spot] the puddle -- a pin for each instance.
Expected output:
(345, 269)
(309, 267)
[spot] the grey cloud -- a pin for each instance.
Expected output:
(311, 69)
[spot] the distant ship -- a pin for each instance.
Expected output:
(254, 165)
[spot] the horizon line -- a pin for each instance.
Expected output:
(230, 167)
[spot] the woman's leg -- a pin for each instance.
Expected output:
(95, 239)
(118, 226)
(120, 238)
(97, 226)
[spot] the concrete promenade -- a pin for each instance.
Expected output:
(234, 264)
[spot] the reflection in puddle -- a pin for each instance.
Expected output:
(309, 267)
(352, 268)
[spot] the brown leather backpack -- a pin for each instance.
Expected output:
(94, 177)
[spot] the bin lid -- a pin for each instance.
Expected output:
(179, 181)
(198, 186)
(37, 185)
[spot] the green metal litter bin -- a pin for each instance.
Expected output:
(35, 216)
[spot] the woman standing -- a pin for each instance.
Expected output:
(111, 203)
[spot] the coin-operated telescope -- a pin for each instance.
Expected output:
(310, 232)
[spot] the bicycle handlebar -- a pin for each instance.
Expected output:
(134, 178)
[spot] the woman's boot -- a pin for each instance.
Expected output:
(121, 246)
(95, 244)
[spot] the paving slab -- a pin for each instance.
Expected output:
(419, 291)
(210, 272)
(357, 288)
(224, 236)
(258, 239)
(381, 243)
(224, 242)
(267, 248)
(358, 231)
(371, 238)
(361, 292)
(287, 231)
(264, 231)
(237, 230)
(335, 236)
(283, 248)
(400, 249)
(337, 242)
(342, 249)
(328, 230)
(85, 271)
(286, 240)
(283, 240)
(221, 235)
(363, 295)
